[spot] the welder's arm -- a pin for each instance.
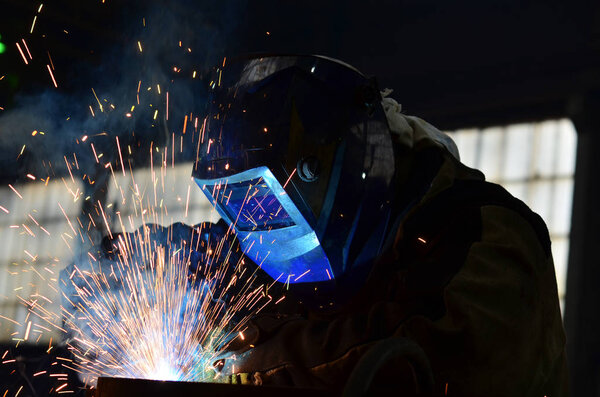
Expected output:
(177, 236)
(501, 333)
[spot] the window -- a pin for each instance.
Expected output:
(37, 242)
(167, 194)
(536, 163)
(32, 257)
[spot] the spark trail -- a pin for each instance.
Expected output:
(165, 304)
(145, 315)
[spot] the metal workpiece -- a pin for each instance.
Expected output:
(124, 387)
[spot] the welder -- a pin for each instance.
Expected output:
(379, 233)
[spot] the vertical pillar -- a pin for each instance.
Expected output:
(582, 306)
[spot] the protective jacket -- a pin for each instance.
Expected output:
(466, 273)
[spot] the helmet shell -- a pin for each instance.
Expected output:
(318, 124)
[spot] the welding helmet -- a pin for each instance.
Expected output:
(296, 156)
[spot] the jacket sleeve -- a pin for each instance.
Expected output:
(500, 332)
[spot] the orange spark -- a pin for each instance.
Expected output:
(51, 75)
(27, 49)
(15, 190)
(33, 24)
(289, 178)
(21, 52)
(120, 156)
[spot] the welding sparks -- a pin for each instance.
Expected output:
(27, 49)
(33, 24)
(167, 107)
(22, 54)
(153, 321)
(15, 190)
(98, 100)
(289, 178)
(52, 75)
(143, 313)
(147, 312)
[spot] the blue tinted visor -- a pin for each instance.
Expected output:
(271, 230)
(252, 205)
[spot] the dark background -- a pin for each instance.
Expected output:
(468, 63)
(456, 63)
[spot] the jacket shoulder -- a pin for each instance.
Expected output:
(476, 194)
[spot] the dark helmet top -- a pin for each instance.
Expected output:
(318, 125)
